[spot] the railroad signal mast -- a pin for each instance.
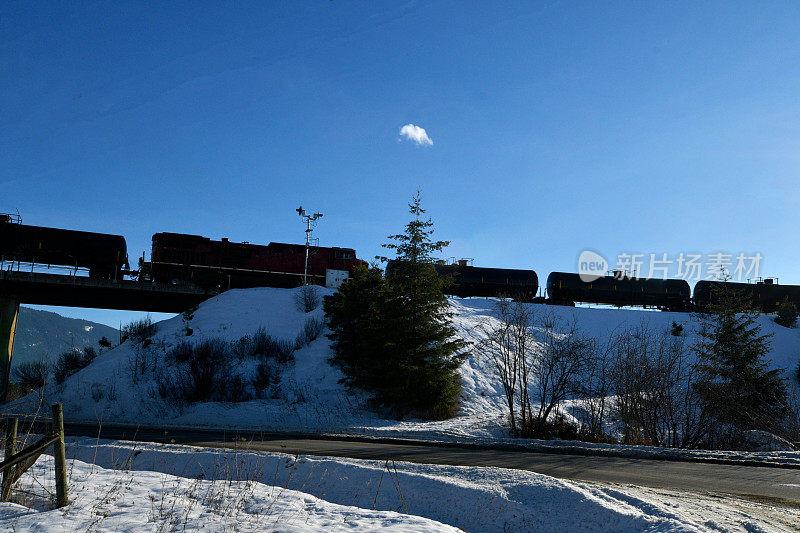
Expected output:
(308, 219)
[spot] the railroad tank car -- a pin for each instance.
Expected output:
(490, 282)
(104, 255)
(225, 264)
(764, 296)
(485, 282)
(670, 294)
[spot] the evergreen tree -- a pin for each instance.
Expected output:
(392, 336)
(786, 314)
(424, 351)
(104, 343)
(354, 319)
(739, 389)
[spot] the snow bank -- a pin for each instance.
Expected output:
(123, 486)
(124, 500)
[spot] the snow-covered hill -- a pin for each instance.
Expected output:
(43, 335)
(310, 397)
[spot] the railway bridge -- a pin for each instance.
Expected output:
(38, 288)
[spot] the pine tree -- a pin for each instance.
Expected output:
(422, 348)
(786, 314)
(393, 336)
(739, 389)
(104, 343)
(354, 319)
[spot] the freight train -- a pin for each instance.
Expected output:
(466, 280)
(179, 258)
(105, 256)
(619, 290)
(765, 295)
(230, 265)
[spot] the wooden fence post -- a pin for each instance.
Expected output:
(11, 444)
(59, 454)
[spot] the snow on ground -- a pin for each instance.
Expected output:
(311, 399)
(123, 486)
(127, 500)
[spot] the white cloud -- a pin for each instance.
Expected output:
(416, 134)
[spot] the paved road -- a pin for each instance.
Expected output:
(748, 481)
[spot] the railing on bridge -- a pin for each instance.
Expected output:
(82, 291)
(24, 266)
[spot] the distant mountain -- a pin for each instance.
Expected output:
(42, 334)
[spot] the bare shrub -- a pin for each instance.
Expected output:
(89, 353)
(595, 389)
(31, 375)
(283, 351)
(166, 387)
(646, 378)
(655, 380)
(555, 427)
(71, 361)
(143, 360)
(138, 331)
(280, 350)
(312, 329)
(100, 391)
(296, 392)
(540, 363)
(187, 317)
(232, 389)
(261, 343)
(202, 369)
(307, 298)
(205, 371)
(558, 368)
(242, 348)
(202, 372)
(509, 344)
(266, 375)
(67, 364)
(263, 346)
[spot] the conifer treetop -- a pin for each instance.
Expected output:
(415, 243)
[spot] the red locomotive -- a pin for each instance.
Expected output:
(228, 265)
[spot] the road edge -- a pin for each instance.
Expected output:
(91, 430)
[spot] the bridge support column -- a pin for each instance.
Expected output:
(9, 311)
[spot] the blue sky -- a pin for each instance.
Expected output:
(659, 127)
